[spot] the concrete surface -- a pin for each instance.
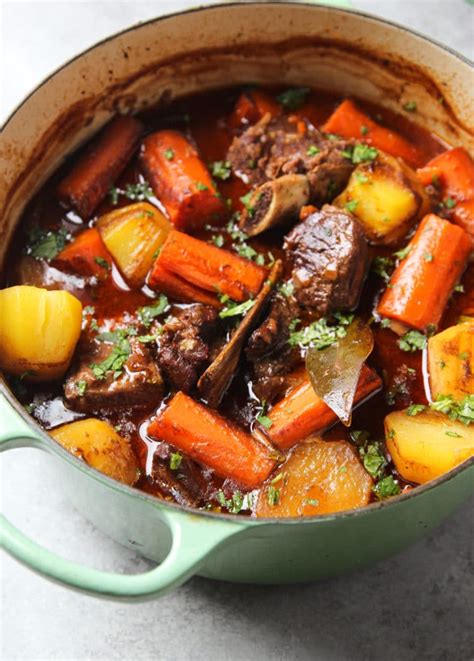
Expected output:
(418, 605)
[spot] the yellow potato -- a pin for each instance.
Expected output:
(386, 196)
(427, 445)
(39, 330)
(133, 234)
(319, 477)
(101, 447)
(451, 361)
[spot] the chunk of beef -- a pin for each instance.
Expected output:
(185, 345)
(98, 382)
(330, 260)
(268, 351)
(276, 147)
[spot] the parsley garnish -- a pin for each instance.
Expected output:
(245, 199)
(273, 495)
(293, 98)
(233, 309)
(217, 240)
(360, 153)
(287, 288)
(201, 186)
(351, 206)
(404, 252)
(386, 487)
(102, 262)
(149, 312)
(449, 203)
(262, 418)
(364, 130)
(221, 170)
(312, 150)
(462, 411)
(320, 334)
(117, 358)
(414, 409)
(233, 504)
(428, 257)
(81, 387)
(410, 106)
(454, 434)
(175, 460)
(383, 267)
(46, 244)
(412, 341)
(169, 154)
(139, 191)
(373, 459)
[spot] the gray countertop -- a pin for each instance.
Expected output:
(417, 605)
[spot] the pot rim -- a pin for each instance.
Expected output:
(153, 500)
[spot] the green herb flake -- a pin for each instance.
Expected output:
(217, 240)
(386, 488)
(149, 312)
(287, 288)
(403, 253)
(410, 106)
(200, 186)
(293, 98)
(364, 130)
(221, 170)
(102, 263)
(81, 387)
(360, 153)
(234, 504)
(233, 309)
(428, 257)
(462, 411)
(169, 154)
(383, 267)
(116, 359)
(273, 496)
(414, 409)
(312, 150)
(314, 502)
(453, 434)
(351, 206)
(320, 333)
(46, 244)
(361, 178)
(373, 458)
(449, 203)
(175, 460)
(412, 341)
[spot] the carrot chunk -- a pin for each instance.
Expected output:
(86, 254)
(180, 180)
(210, 268)
(302, 412)
(172, 285)
(251, 106)
(210, 439)
(422, 283)
(91, 178)
(350, 122)
(454, 169)
(463, 215)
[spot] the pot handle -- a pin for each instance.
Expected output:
(194, 538)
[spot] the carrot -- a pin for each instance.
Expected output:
(463, 215)
(454, 169)
(350, 122)
(180, 180)
(251, 106)
(172, 285)
(86, 254)
(422, 283)
(91, 178)
(301, 412)
(210, 268)
(210, 439)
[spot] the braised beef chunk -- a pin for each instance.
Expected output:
(115, 369)
(185, 345)
(268, 350)
(330, 260)
(275, 147)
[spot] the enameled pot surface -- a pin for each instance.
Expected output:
(151, 63)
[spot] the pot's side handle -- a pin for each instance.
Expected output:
(194, 538)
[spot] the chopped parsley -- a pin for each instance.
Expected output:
(383, 267)
(404, 252)
(117, 358)
(320, 334)
(102, 262)
(412, 341)
(314, 502)
(233, 504)
(373, 459)
(233, 309)
(293, 98)
(263, 419)
(149, 312)
(360, 153)
(169, 154)
(245, 199)
(81, 387)
(287, 288)
(312, 150)
(449, 203)
(273, 495)
(200, 186)
(46, 244)
(175, 460)
(462, 411)
(136, 192)
(386, 488)
(428, 257)
(221, 170)
(414, 409)
(453, 434)
(364, 130)
(217, 240)
(361, 178)
(351, 206)
(410, 106)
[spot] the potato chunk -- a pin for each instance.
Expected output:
(451, 361)
(427, 445)
(101, 447)
(319, 477)
(133, 234)
(386, 197)
(39, 330)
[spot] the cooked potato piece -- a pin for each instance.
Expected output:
(101, 447)
(133, 234)
(451, 361)
(386, 196)
(39, 330)
(428, 444)
(319, 477)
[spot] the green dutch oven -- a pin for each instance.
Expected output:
(289, 43)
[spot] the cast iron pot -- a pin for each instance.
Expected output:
(270, 42)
